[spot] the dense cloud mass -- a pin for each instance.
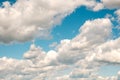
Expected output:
(75, 59)
(78, 58)
(29, 19)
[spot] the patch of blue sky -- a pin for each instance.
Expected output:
(109, 70)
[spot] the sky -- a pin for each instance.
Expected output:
(59, 40)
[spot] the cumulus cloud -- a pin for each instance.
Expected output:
(32, 67)
(109, 52)
(34, 52)
(29, 19)
(26, 20)
(92, 33)
(74, 59)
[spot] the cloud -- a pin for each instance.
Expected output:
(98, 7)
(88, 49)
(34, 52)
(75, 59)
(31, 67)
(109, 52)
(92, 33)
(26, 20)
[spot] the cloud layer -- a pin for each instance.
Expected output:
(75, 59)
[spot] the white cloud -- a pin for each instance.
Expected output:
(34, 52)
(29, 19)
(98, 7)
(75, 59)
(109, 52)
(51, 57)
(92, 33)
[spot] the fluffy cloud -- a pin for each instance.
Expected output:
(34, 52)
(89, 50)
(75, 59)
(92, 33)
(37, 55)
(29, 19)
(109, 52)
(32, 67)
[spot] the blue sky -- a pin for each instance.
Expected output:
(86, 35)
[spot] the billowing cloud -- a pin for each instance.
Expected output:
(74, 59)
(26, 20)
(29, 19)
(109, 52)
(92, 33)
